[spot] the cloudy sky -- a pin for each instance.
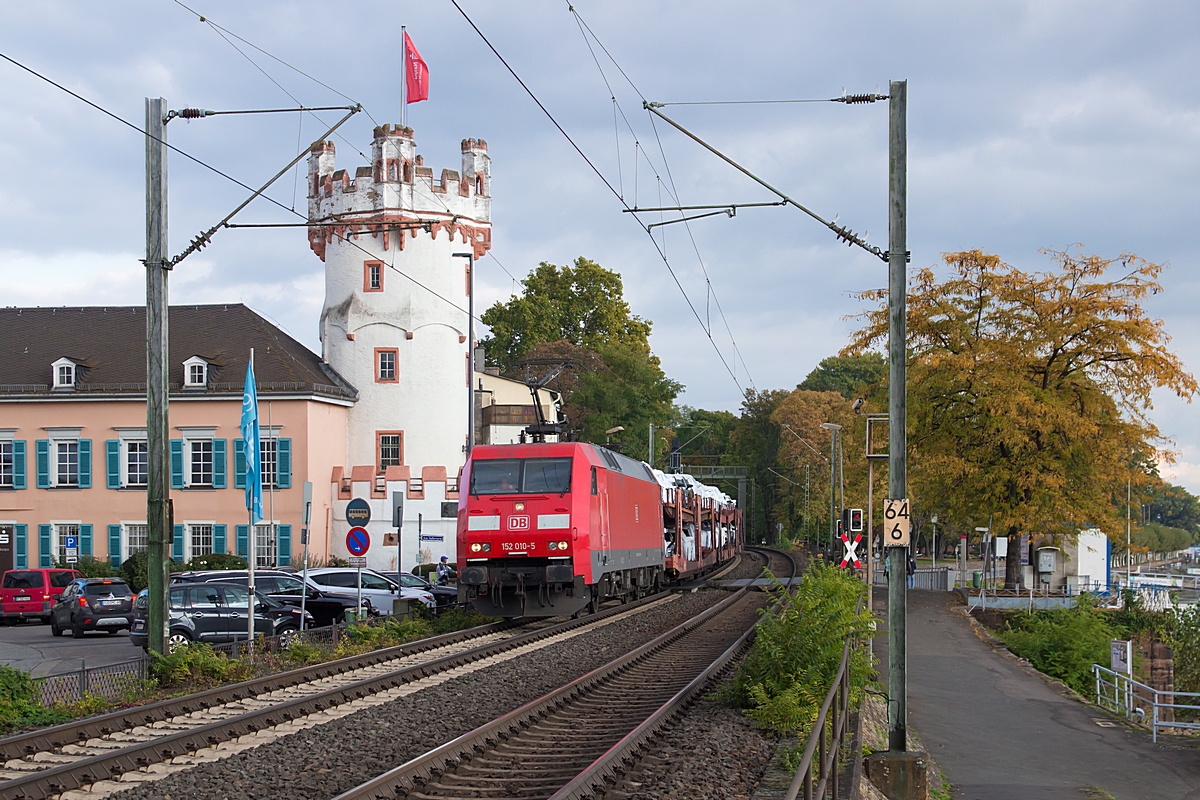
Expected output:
(1031, 125)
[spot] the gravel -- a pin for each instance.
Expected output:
(713, 752)
(327, 760)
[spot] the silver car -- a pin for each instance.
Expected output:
(378, 589)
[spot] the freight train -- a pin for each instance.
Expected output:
(549, 529)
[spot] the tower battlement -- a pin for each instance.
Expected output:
(397, 187)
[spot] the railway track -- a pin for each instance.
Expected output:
(52, 761)
(570, 742)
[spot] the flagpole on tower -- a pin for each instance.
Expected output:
(403, 77)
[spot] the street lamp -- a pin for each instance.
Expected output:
(470, 256)
(608, 433)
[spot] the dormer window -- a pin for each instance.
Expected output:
(64, 373)
(195, 373)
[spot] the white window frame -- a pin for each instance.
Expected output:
(126, 552)
(195, 361)
(7, 436)
(188, 544)
(56, 437)
(272, 543)
(193, 434)
(268, 434)
(57, 544)
(57, 367)
(126, 437)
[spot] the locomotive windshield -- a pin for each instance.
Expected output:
(521, 476)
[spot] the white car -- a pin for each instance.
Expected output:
(378, 589)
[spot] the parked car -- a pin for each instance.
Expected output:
(31, 593)
(92, 604)
(283, 587)
(443, 595)
(215, 613)
(379, 589)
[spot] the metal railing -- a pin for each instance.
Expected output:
(935, 579)
(825, 741)
(110, 682)
(1138, 702)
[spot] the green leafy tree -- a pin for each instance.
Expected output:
(851, 376)
(1175, 507)
(755, 444)
(583, 304)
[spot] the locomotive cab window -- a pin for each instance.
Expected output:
(521, 476)
(595, 486)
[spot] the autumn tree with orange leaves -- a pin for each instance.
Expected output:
(1029, 392)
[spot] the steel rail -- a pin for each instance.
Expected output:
(419, 769)
(27, 744)
(64, 777)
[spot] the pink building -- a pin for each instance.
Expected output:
(73, 454)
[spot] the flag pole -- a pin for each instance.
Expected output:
(250, 532)
(403, 76)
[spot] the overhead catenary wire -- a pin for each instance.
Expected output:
(213, 169)
(604, 180)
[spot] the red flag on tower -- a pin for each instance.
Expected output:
(416, 74)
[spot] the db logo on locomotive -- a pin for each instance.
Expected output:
(518, 523)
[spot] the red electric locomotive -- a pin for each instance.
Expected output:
(549, 529)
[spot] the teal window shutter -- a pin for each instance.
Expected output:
(22, 533)
(283, 464)
(177, 463)
(85, 540)
(239, 464)
(112, 450)
(284, 545)
(219, 539)
(177, 545)
(243, 542)
(114, 545)
(219, 464)
(44, 556)
(85, 463)
(19, 464)
(43, 463)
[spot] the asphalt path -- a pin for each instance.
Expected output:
(1000, 732)
(30, 647)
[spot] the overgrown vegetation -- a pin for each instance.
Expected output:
(798, 648)
(196, 666)
(1063, 642)
(19, 703)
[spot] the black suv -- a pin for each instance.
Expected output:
(215, 612)
(326, 607)
(92, 604)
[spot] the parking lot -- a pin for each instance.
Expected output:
(31, 648)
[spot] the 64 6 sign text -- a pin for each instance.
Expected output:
(896, 523)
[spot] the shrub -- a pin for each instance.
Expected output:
(798, 648)
(1063, 642)
(133, 570)
(456, 619)
(19, 703)
(217, 561)
(88, 567)
(195, 664)
(1185, 640)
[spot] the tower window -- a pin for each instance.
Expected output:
(372, 276)
(391, 449)
(64, 373)
(387, 365)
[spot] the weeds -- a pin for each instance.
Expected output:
(1063, 642)
(195, 665)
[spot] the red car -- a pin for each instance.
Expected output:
(30, 593)
(549, 529)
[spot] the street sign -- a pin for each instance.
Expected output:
(429, 538)
(71, 546)
(358, 541)
(358, 512)
(851, 553)
(358, 561)
(1121, 651)
(896, 523)
(397, 509)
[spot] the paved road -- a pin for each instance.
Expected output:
(1000, 733)
(31, 648)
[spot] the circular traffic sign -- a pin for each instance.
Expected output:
(358, 541)
(358, 512)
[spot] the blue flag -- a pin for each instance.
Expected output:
(251, 449)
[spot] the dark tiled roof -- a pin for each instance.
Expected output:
(109, 345)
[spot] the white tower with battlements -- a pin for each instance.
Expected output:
(381, 231)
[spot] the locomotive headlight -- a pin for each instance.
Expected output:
(561, 545)
(553, 545)
(476, 547)
(487, 547)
